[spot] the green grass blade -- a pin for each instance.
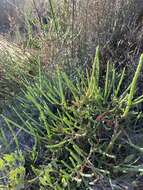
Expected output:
(106, 81)
(97, 66)
(133, 86)
(120, 82)
(63, 100)
(71, 86)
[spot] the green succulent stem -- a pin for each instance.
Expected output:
(133, 87)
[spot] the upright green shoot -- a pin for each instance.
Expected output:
(133, 87)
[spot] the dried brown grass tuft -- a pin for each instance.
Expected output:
(115, 25)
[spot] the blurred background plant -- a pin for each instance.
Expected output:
(68, 31)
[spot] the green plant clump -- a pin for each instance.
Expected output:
(12, 171)
(82, 128)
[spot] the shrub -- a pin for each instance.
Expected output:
(82, 130)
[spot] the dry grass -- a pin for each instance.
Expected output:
(115, 25)
(82, 25)
(12, 58)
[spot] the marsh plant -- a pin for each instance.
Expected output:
(75, 119)
(81, 127)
